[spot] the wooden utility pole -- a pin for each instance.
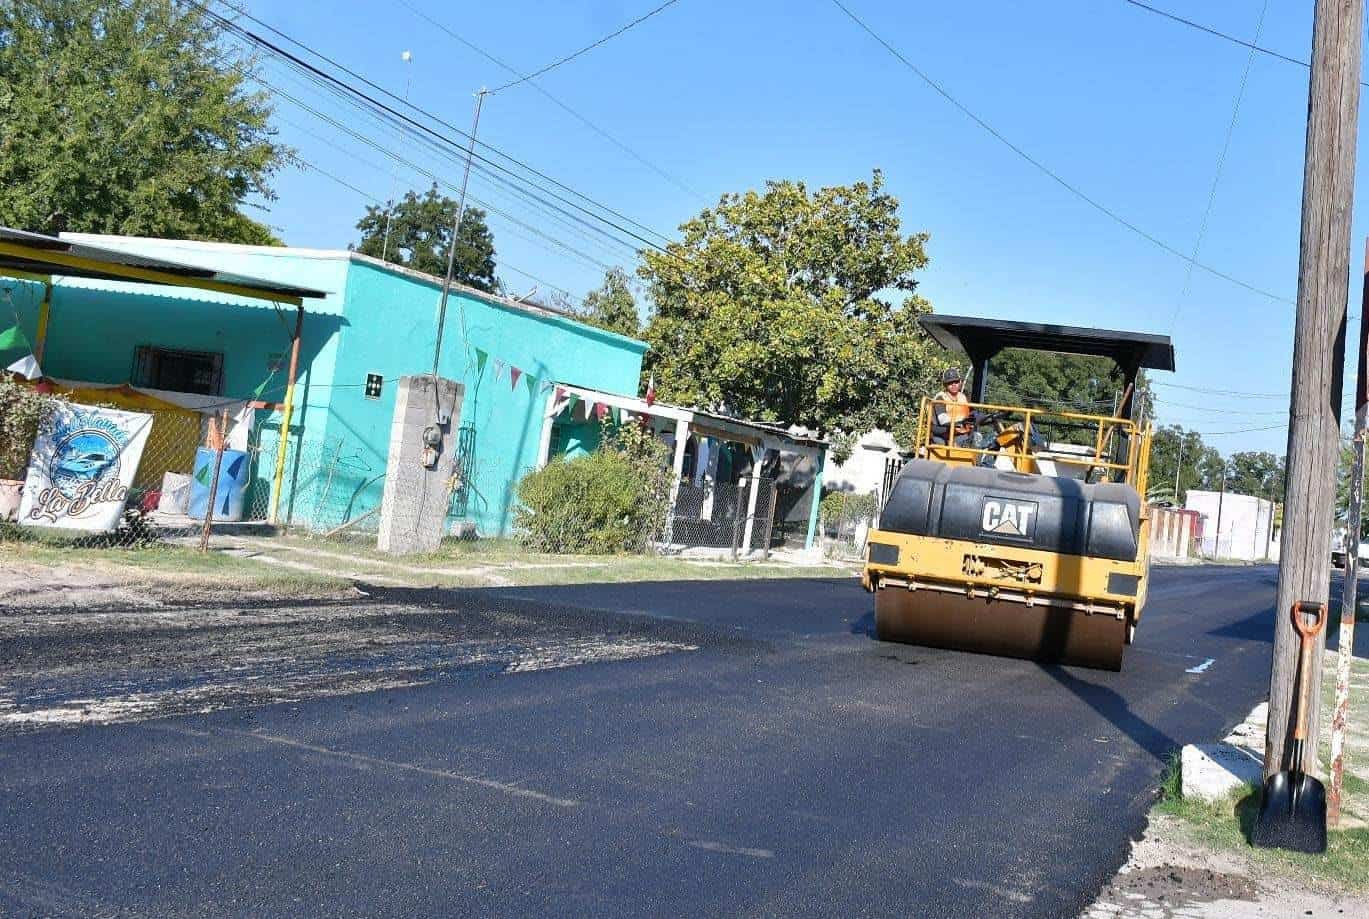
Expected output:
(1318, 357)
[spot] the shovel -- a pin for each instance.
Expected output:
(1293, 814)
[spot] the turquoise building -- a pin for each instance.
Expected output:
(377, 322)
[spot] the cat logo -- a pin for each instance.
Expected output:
(1009, 518)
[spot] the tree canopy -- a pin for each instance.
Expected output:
(775, 305)
(420, 233)
(1066, 382)
(127, 118)
(612, 306)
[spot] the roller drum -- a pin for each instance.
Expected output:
(1052, 634)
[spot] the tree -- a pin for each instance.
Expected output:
(1066, 382)
(1257, 473)
(1201, 467)
(612, 306)
(126, 118)
(420, 233)
(774, 306)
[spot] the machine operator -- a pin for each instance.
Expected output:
(951, 412)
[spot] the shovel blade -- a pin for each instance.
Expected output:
(1292, 815)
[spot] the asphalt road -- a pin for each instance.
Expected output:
(742, 748)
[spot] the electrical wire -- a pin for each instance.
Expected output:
(1046, 170)
(1222, 35)
(265, 44)
(672, 179)
(590, 47)
(1217, 174)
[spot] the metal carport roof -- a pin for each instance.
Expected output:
(33, 254)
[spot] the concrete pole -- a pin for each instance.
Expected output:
(1318, 346)
(1345, 640)
(817, 499)
(757, 460)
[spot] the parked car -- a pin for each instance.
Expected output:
(1338, 550)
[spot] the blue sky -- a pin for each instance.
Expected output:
(1129, 107)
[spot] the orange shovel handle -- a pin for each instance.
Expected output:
(1308, 630)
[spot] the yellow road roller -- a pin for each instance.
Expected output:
(1020, 530)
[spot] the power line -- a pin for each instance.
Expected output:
(1222, 35)
(570, 57)
(673, 180)
(263, 43)
(1046, 170)
(1217, 174)
(1223, 392)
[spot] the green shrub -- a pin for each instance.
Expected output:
(610, 501)
(21, 411)
(839, 506)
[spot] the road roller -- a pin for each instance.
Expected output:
(1021, 530)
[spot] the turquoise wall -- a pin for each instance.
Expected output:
(94, 328)
(391, 318)
(373, 320)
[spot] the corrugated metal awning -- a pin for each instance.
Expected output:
(34, 254)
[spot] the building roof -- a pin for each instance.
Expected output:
(34, 254)
(349, 255)
(986, 337)
(714, 423)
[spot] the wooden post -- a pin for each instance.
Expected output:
(40, 342)
(214, 484)
(282, 448)
(1318, 350)
(1345, 640)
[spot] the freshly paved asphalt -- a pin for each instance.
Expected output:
(788, 766)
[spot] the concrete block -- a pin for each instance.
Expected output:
(414, 504)
(1213, 771)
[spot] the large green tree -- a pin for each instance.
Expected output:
(612, 305)
(1199, 465)
(777, 304)
(1258, 473)
(1064, 382)
(127, 118)
(420, 233)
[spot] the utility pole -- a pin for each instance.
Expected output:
(456, 230)
(1177, 466)
(1345, 640)
(1318, 355)
(1221, 499)
(406, 57)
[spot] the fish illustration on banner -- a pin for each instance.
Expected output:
(82, 467)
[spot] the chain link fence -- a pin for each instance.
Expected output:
(720, 517)
(846, 519)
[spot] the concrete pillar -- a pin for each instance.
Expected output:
(817, 499)
(418, 477)
(757, 460)
(548, 422)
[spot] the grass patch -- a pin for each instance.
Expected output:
(178, 565)
(1227, 825)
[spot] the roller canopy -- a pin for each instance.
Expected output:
(981, 339)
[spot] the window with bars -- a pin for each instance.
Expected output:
(199, 372)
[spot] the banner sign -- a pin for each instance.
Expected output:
(81, 468)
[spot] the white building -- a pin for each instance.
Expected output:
(1235, 526)
(864, 471)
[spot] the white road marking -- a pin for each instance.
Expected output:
(361, 760)
(1203, 666)
(709, 845)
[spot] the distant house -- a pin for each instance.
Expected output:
(204, 350)
(873, 462)
(1234, 526)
